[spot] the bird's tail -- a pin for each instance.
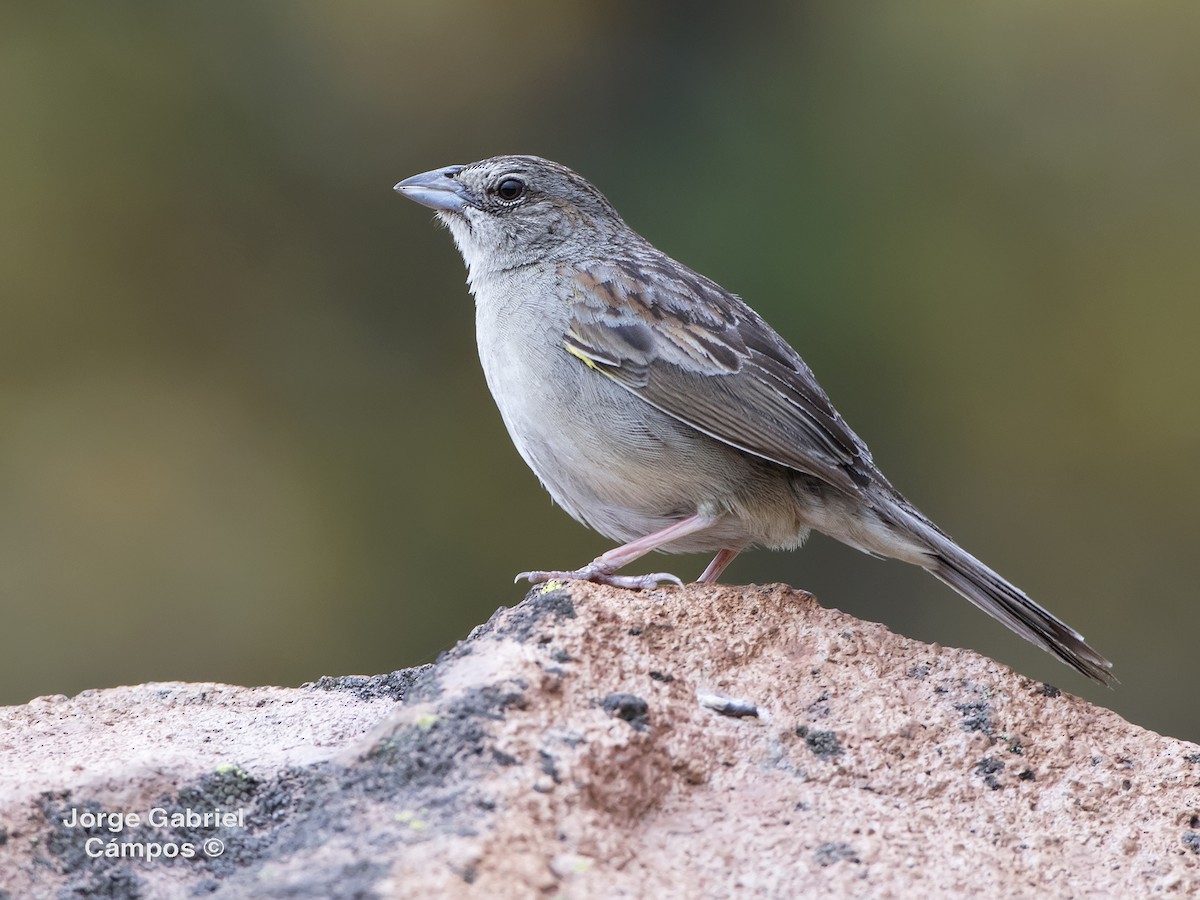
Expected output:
(932, 549)
(1007, 603)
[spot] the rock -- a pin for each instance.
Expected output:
(591, 742)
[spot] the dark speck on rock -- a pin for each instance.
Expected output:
(1191, 840)
(987, 768)
(823, 743)
(988, 765)
(549, 766)
(977, 716)
(630, 707)
(819, 708)
(1049, 690)
(662, 676)
(828, 854)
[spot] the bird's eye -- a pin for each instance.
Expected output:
(510, 189)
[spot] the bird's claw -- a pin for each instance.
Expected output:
(630, 582)
(638, 582)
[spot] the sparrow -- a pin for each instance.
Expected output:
(660, 410)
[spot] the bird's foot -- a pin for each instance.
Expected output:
(600, 576)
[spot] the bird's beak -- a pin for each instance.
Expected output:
(437, 189)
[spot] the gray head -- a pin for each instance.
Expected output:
(510, 211)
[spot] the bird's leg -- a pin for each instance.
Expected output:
(601, 569)
(717, 566)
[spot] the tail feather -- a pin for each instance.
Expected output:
(1005, 602)
(949, 563)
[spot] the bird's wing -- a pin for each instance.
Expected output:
(690, 348)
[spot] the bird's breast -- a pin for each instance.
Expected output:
(597, 449)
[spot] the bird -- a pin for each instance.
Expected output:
(660, 410)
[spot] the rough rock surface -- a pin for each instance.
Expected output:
(592, 742)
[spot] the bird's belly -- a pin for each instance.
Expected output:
(577, 435)
(624, 468)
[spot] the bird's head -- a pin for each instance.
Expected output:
(511, 211)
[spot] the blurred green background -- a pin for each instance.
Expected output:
(243, 432)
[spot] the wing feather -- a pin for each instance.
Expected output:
(690, 348)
